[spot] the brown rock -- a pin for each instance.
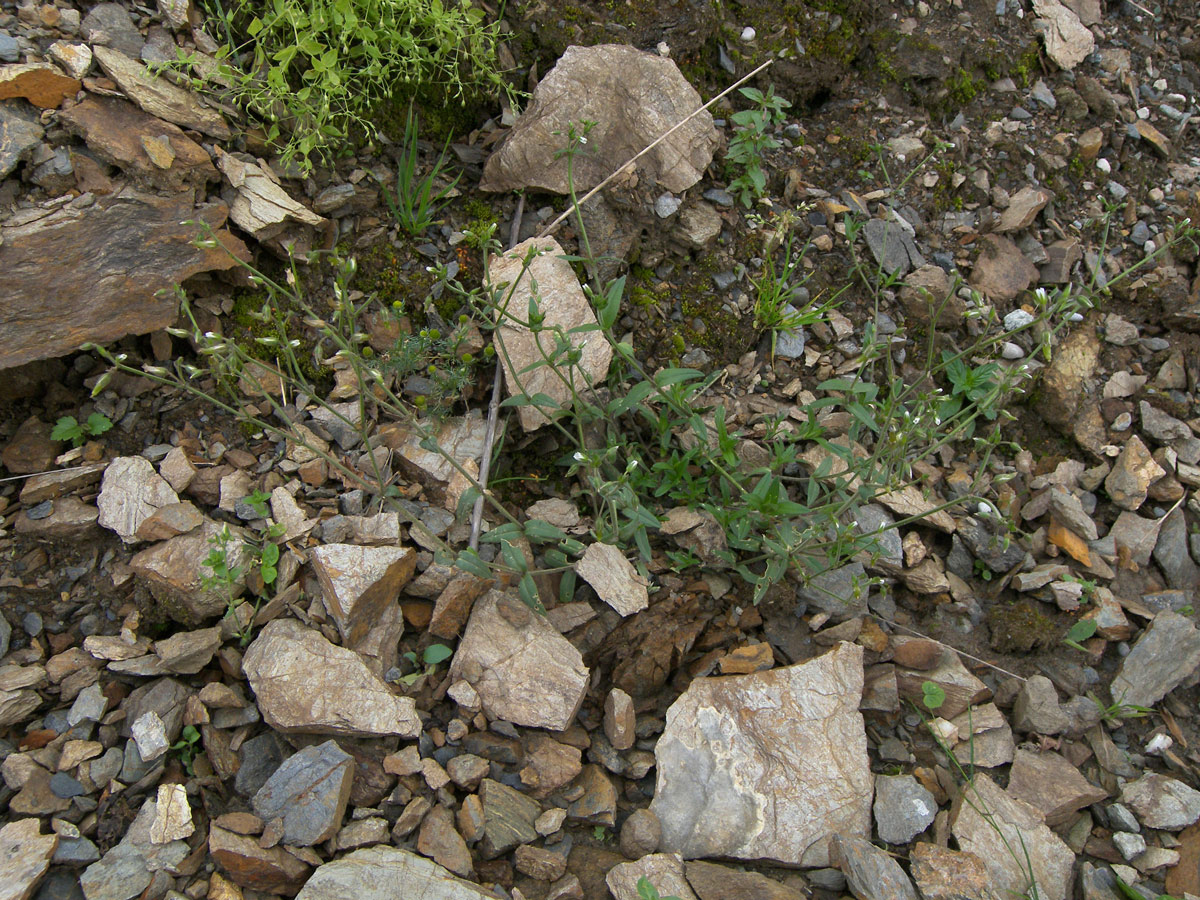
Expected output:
(1065, 382)
(122, 135)
(31, 449)
(104, 265)
(598, 803)
(918, 653)
(70, 518)
(1185, 877)
(64, 481)
(943, 874)
(272, 870)
(713, 882)
(508, 816)
(453, 605)
(358, 582)
(1001, 271)
(620, 720)
(1023, 209)
(1053, 785)
(159, 97)
(744, 660)
(24, 857)
(40, 83)
(1132, 474)
(176, 573)
(440, 842)
(549, 765)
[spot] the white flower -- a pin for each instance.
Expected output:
(578, 457)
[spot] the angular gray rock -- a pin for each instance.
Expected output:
(663, 870)
(903, 808)
(306, 684)
(309, 792)
(19, 134)
(614, 578)
(561, 302)
(870, 873)
(1133, 471)
(775, 784)
(634, 97)
(1162, 802)
(128, 868)
(357, 583)
(523, 670)
(892, 246)
(387, 873)
(130, 492)
(1166, 654)
(160, 97)
(1012, 840)
(841, 592)
(1052, 785)
(1037, 709)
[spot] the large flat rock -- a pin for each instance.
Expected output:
(94, 272)
(306, 684)
(524, 671)
(768, 765)
(385, 873)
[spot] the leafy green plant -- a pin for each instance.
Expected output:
(1119, 709)
(751, 139)
(68, 428)
(315, 70)
(1079, 632)
(427, 663)
(417, 199)
(647, 891)
(187, 747)
(258, 554)
(932, 695)
(979, 386)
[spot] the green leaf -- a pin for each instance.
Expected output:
(1080, 631)
(270, 554)
(513, 557)
(932, 695)
(611, 307)
(67, 429)
(436, 653)
(527, 590)
(668, 377)
(98, 424)
(540, 532)
(471, 563)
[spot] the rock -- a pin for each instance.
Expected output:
(1166, 654)
(549, 765)
(597, 805)
(69, 519)
(130, 492)
(40, 83)
(172, 815)
(840, 592)
(943, 874)
(1068, 42)
(261, 207)
(76, 59)
(508, 818)
(151, 736)
(620, 719)
(382, 873)
(524, 671)
(19, 134)
(903, 808)
(118, 132)
(1185, 877)
(614, 578)
(1010, 837)
(633, 97)
(118, 252)
(176, 573)
(1001, 270)
(562, 304)
(439, 841)
(1171, 553)
(543, 865)
(1037, 710)
(25, 855)
(109, 24)
(870, 872)
(1162, 802)
(713, 882)
(128, 868)
(1133, 471)
(641, 834)
(926, 294)
(358, 582)
(1049, 783)
(453, 606)
(699, 225)
(1023, 209)
(784, 803)
(306, 684)
(248, 865)
(962, 689)
(159, 97)
(309, 791)
(1062, 255)
(187, 652)
(663, 870)
(892, 246)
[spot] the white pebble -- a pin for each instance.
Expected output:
(749, 34)
(1009, 350)
(1017, 319)
(663, 48)
(1103, 165)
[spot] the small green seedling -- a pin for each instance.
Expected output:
(1080, 631)
(1130, 893)
(932, 695)
(647, 891)
(187, 747)
(434, 654)
(257, 501)
(68, 428)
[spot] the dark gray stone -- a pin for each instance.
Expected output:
(10, 50)
(64, 786)
(109, 24)
(260, 757)
(309, 792)
(19, 134)
(903, 808)
(991, 544)
(840, 592)
(1171, 554)
(870, 873)
(75, 852)
(892, 246)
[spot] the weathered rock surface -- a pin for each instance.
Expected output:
(617, 583)
(1011, 838)
(261, 207)
(524, 671)
(713, 882)
(306, 684)
(124, 136)
(40, 83)
(273, 869)
(175, 571)
(24, 857)
(869, 871)
(19, 134)
(1162, 802)
(128, 868)
(130, 492)
(159, 97)
(766, 765)
(309, 792)
(943, 874)
(561, 302)
(1167, 653)
(663, 870)
(105, 263)
(1002, 271)
(633, 97)
(357, 583)
(903, 808)
(1068, 42)
(1051, 784)
(382, 873)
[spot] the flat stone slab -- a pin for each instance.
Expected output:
(524, 671)
(309, 792)
(130, 492)
(768, 765)
(24, 857)
(1167, 653)
(387, 873)
(306, 684)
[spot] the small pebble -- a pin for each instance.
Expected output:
(1009, 350)
(1122, 422)
(749, 34)
(32, 623)
(666, 206)
(1017, 319)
